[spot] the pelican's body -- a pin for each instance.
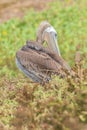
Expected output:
(38, 62)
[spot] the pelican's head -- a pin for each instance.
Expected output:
(47, 33)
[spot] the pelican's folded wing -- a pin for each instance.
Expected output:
(40, 59)
(52, 54)
(36, 65)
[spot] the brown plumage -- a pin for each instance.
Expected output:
(38, 62)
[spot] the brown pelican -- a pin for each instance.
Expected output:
(38, 62)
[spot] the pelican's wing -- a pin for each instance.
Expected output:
(34, 75)
(60, 60)
(35, 46)
(39, 58)
(36, 64)
(52, 54)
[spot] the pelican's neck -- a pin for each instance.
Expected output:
(43, 25)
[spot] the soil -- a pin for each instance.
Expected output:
(17, 8)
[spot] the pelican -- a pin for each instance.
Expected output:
(38, 62)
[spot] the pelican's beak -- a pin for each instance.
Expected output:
(51, 38)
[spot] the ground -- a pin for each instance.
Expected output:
(17, 8)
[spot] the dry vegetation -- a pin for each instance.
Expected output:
(59, 105)
(14, 8)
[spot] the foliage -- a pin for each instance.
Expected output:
(60, 104)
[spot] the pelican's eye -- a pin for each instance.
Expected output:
(55, 34)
